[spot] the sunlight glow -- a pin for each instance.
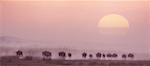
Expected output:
(114, 25)
(113, 21)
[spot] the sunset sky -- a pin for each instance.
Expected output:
(75, 23)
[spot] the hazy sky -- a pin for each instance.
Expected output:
(74, 23)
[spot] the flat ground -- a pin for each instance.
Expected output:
(74, 63)
(37, 62)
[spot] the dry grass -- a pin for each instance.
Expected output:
(9, 61)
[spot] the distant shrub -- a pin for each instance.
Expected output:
(84, 55)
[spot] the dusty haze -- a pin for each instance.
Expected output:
(74, 23)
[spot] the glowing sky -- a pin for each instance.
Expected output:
(74, 23)
(113, 21)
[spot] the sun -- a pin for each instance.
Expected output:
(113, 24)
(113, 21)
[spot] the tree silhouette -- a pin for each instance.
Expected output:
(19, 53)
(124, 56)
(109, 55)
(84, 55)
(69, 55)
(104, 55)
(130, 55)
(114, 55)
(98, 55)
(90, 56)
(46, 54)
(62, 54)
